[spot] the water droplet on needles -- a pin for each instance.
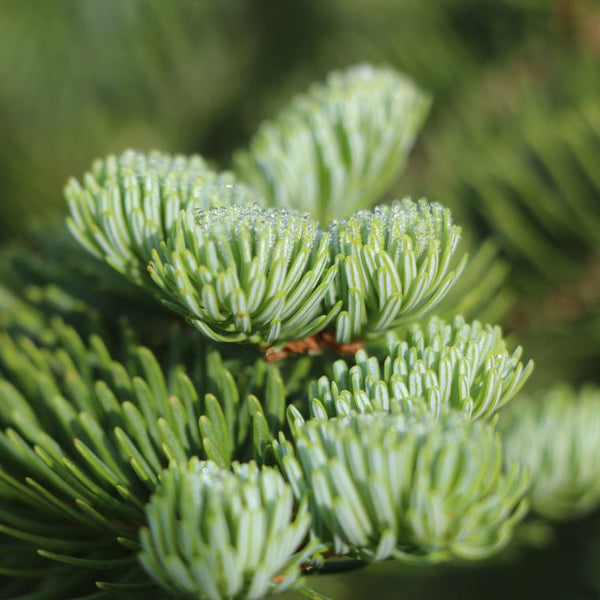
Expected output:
(272, 224)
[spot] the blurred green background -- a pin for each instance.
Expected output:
(512, 145)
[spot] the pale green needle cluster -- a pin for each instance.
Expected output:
(126, 205)
(557, 434)
(219, 534)
(461, 366)
(240, 272)
(339, 147)
(408, 487)
(243, 273)
(393, 265)
(169, 464)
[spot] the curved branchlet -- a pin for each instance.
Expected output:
(456, 365)
(217, 534)
(339, 147)
(557, 434)
(411, 488)
(127, 204)
(242, 273)
(84, 437)
(393, 265)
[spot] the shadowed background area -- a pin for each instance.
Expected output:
(511, 145)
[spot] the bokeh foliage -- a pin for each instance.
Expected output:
(511, 146)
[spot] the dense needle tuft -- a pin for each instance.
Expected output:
(215, 534)
(84, 438)
(243, 273)
(339, 147)
(393, 265)
(126, 205)
(556, 433)
(405, 487)
(457, 365)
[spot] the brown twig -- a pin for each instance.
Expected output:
(313, 345)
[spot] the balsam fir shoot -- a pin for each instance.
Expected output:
(296, 405)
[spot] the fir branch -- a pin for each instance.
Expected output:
(556, 433)
(216, 534)
(339, 147)
(455, 365)
(85, 437)
(393, 265)
(127, 204)
(267, 275)
(93, 448)
(242, 273)
(410, 488)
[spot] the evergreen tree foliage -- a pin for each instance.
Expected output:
(101, 446)
(217, 534)
(450, 498)
(223, 383)
(555, 433)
